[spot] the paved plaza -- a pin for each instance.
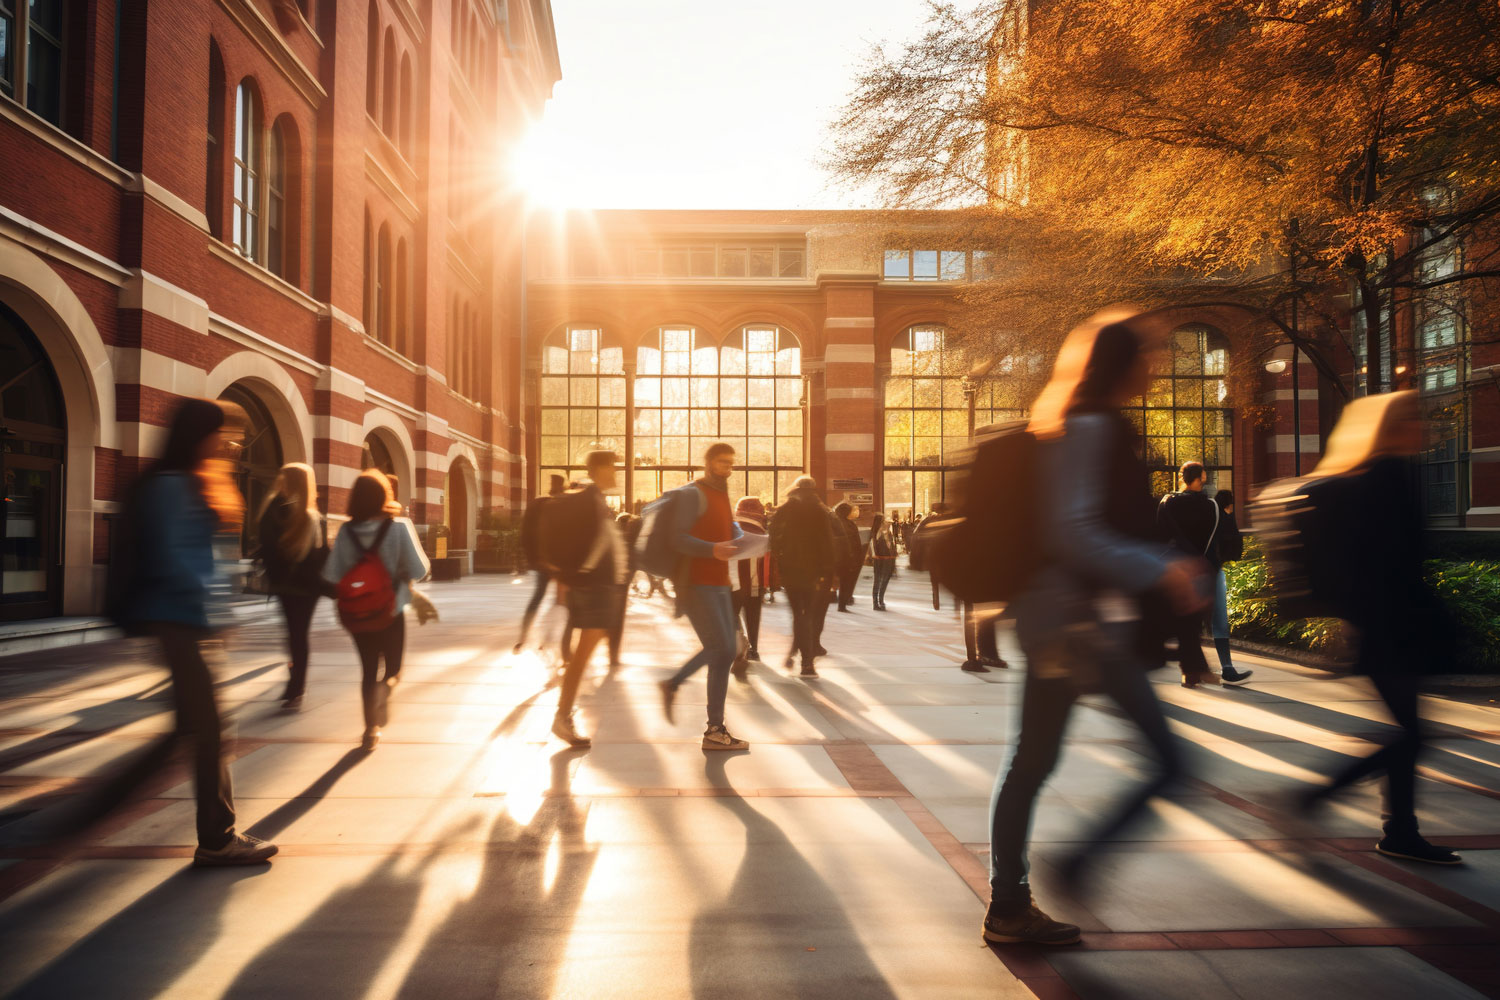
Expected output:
(472, 855)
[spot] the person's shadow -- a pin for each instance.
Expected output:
(760, 940)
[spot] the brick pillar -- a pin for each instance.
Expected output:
(849, 391)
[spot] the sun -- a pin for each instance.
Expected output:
(539, 166)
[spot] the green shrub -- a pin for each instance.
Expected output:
(1469, 590)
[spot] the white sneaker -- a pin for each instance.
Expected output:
(242, 849)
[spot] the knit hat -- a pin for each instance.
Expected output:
(803, 483)
(750, 509)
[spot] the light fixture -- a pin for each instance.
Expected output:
(1276, 366)
(1400, 369)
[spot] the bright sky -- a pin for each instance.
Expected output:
(702, 103)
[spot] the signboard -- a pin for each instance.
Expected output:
(850, 484)
(860, 499)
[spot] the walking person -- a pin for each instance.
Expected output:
(705, 531)
(1228, 547)
(1191, 521)
(629, 527)
(530, 540)
(851, 552)
(750, 579)
(981, 649)
(373, 562)
(167, 587)
(1076, 621)
(1400, 623)
(883, 555)
(802, 543)
(294, 547)
(586, 553)
(917, 550)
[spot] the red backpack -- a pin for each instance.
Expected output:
(366, 594)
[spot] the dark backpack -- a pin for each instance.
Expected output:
(366, 593)
(654, 552)
(1304, 527)
(569, 526)
(991, 548)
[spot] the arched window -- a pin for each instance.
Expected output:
(400, 319)
(1184, 417)
(213, 205)
(388, 79)
(276, 214)
(258, 461)
(927, 417)
(369, 314)
(582, 399)
(372, 64)
(690, 393)
(247, 172)
(408, 123)
(383, 288)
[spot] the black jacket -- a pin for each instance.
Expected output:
(851, 549)
(531, 531)
(302, 578)
(802, 542)
(1190, 520)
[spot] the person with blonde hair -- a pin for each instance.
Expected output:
(293, 547)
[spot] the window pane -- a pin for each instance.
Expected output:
(788, 391)
(897, 265)
(583, 392)
(927, 451)
(554, 392)
(955, 266)
(732, 263)
(789, 451)
(554, 450)
(925, 265)
(790, 263)
(927, 392)
(647, 391)
(897, 449)
(898, 491)
(762, 392)
(674, 422)
(897, 392)
(762, 422)
(705, 392)
(732, 361)
(612, 423)
(702, 264)
(789, 423)
(705, 422)
(762, 263)
(732, 423)
(554, 421)
(762, 451)
(732, 392)
(674, 451)
(645, 262)
(674, 392)
(674, 263)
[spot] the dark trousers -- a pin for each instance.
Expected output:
(979, 634)
(1397, 687)
(747, 607)
(884, 570)
(804, 625)
(1190, 646)
(1045, 705)
(388, 644)
(937, 596)
(297, 611)
(848, 580)
(617, 630)
(537, 593)
(198, 721)
(822, 598)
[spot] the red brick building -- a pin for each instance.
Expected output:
(293, 204)
(809, 347)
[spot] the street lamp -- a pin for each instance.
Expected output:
(1283, 358)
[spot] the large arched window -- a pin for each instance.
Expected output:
(214, 193)
(383, 286)
(582, 399)
(247, 172)
(927, 417)
(276, 214)
(690, 393)
(372, 64)
(1184, 417)
(408, 122)
(388, 89)
(402, 316)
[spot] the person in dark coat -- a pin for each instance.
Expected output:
(293, 547)
(882, 550)
(751, 581)
(1399, 621)
(802, 543)
(1190, 521)
(1228, 547)
(531, 536)
(851, 557)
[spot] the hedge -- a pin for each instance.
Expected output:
(1469, 589)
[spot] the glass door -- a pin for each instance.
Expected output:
(30, 556)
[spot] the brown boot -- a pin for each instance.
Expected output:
(1027, 926)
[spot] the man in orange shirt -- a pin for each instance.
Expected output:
(705, 531)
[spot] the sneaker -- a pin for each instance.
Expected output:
(563, 729)
(753, 654)
(371, 738)
(718, 738)
(808, 671)
(1030, 926)
(1233, 676)
(994, 661)
(821, 651)
(1416, 848)
(790, 663)
(383, 701)
(292, 704)
(668, 695)
(975, 667)
(242, 849)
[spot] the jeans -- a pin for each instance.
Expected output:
(388, 644)
(539, 592)
(1045, 705)
(711, 613)
(198, 719)
(1220, 621)
(884, 570)
(804, 640)
(297, 610)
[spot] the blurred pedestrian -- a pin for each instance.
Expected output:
(705, 532)
(1401, 625)
(294, 547)
(629, 527)
(373, 563)
(851, 558)
(750, 579)
(882, 551)
(1229, 547)
(802, 543)
(918, 549)
(981, 648)
(170, 589)
(530, 540)
(586, 553)
(1075, 619)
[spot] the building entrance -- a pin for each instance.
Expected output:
(33, 440)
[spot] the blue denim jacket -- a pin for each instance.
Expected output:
(175, 555)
